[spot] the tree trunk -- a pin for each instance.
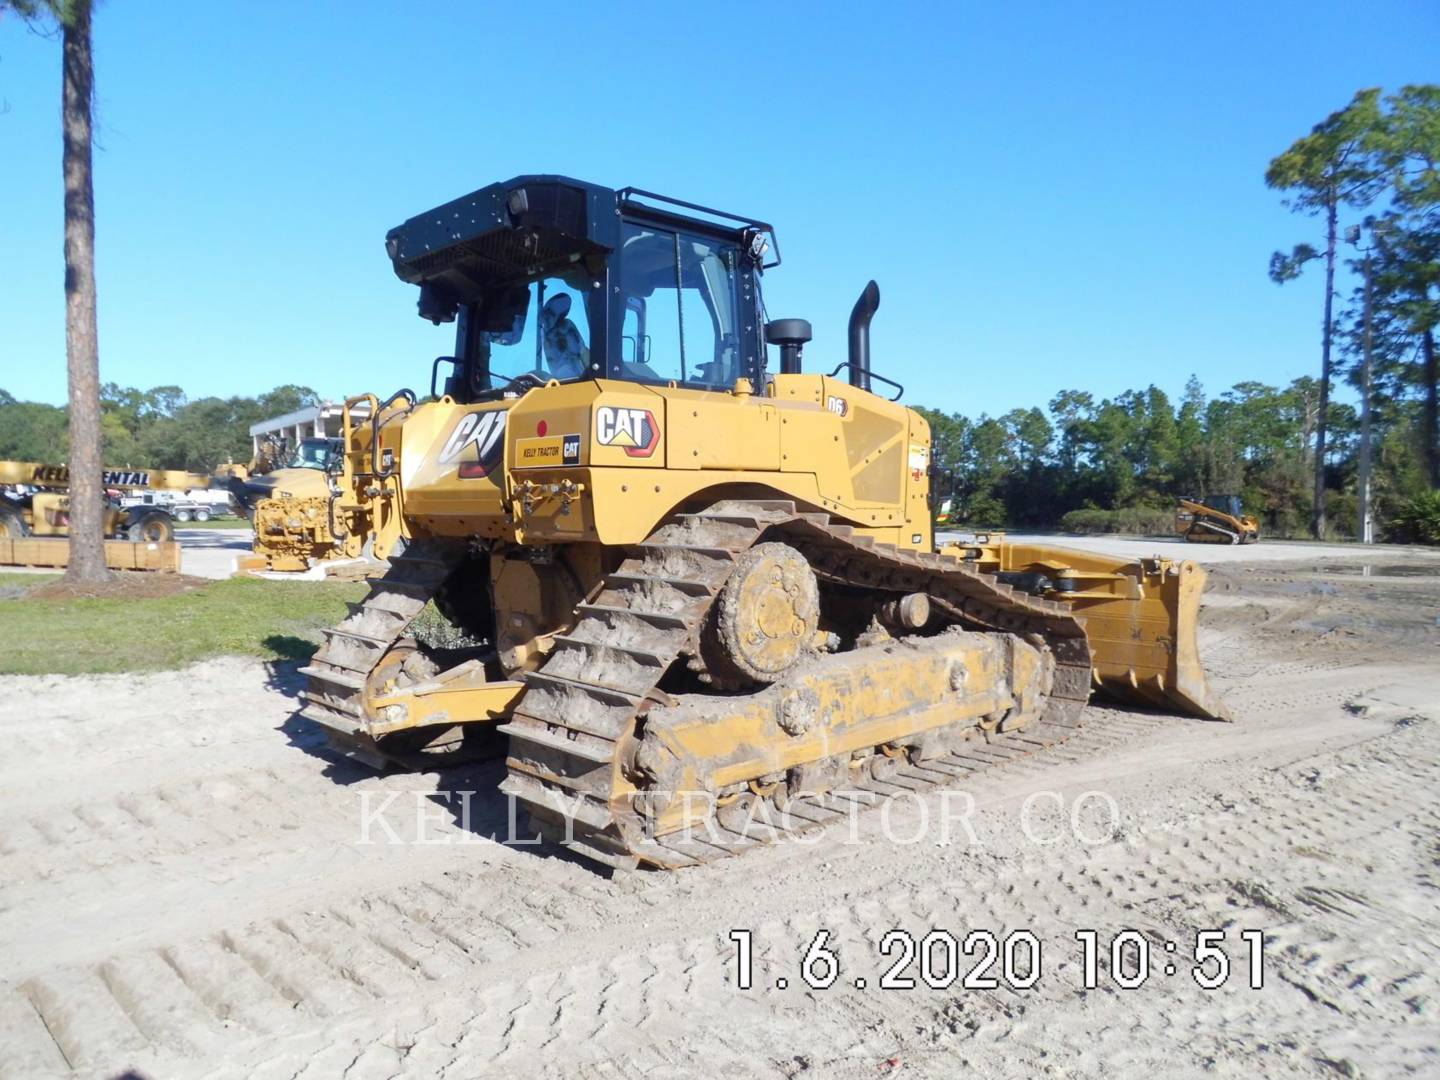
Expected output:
(1432, 408)
(87, 510)
(1317, 513)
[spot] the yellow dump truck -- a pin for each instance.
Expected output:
(301, 514)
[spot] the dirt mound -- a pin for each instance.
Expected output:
(123, 585)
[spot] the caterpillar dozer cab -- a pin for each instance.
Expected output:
(1216, 519)
(697, 586)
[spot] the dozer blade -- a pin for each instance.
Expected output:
(1141, 618)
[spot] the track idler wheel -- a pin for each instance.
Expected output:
(402, 665)
(765, 619)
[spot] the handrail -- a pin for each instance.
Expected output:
(375, 470)
(346, 427)
(626, 196)
(335, 530)
(899, 390)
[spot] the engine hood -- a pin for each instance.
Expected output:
(452, 467)
(300, 483)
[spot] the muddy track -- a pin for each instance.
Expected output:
(572, 730)
(337, 674)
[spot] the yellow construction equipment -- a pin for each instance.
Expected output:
(287, 505)
(697, 588)
(300, 514)
(35, 501)
(35, 507)
(1215, 520)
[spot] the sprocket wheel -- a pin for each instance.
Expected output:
(763, 623)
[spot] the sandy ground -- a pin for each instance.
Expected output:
(184, 890)
(1292, 551)
(211, 553)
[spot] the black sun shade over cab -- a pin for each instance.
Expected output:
(613, 249)
(522, 226)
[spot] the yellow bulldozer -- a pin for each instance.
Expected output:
(1216, 519)
(698, 588)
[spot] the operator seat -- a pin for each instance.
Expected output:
(565, 351)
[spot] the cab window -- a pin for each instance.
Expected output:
(678, 322)
(538, 328)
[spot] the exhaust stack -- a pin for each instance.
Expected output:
(860, 316)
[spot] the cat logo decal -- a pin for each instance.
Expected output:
(482, 431)
(633, 429)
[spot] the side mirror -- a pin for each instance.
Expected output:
(454, 363)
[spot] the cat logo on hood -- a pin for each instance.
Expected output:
(485, 432)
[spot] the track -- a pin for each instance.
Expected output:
(335, 696)
(1211, 532)
(575, 726)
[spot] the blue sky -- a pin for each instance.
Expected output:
(1051, 195)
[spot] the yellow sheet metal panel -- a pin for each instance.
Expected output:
(606, 460)
(628, 427)
(452, 468)
(721, 431)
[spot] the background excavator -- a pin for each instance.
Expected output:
(695, 588)
(1216, 519)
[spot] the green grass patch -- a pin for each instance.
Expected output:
(273, 620)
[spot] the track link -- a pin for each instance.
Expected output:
(335, 691)
(575, 728)
(1195, 534)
